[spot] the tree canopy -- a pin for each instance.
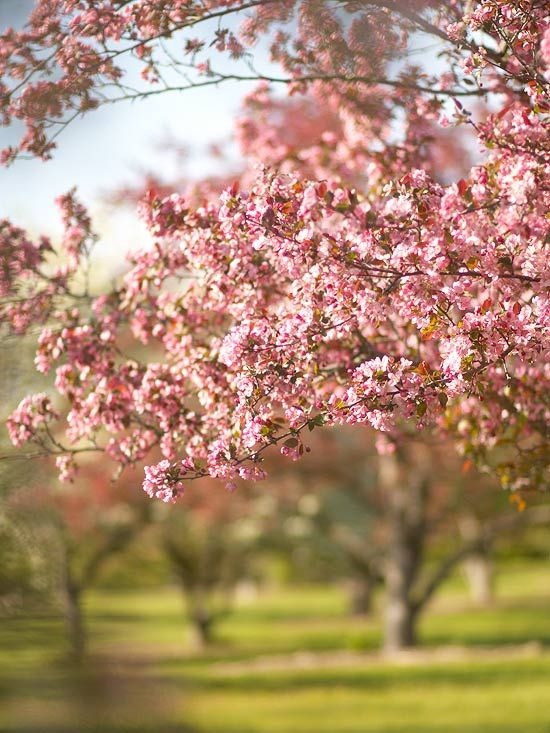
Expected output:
(347, 276)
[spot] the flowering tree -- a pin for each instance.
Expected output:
(344, 280)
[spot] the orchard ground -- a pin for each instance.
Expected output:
(290, 661)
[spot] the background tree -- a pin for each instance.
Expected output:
(83, 525)
(27, 580)
(211, 544)
(397, 520)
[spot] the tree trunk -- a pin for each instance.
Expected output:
(402, 565)
(400, 625)
(201, 627)
(406, 507)
(75, 622)
(361, 592)
(71, 591)
(478, 567)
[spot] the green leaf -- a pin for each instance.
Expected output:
(421, 408)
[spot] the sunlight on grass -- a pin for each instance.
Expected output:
(142, 678)
(450, 698)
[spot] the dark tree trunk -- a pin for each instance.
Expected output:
(75, 622)
(361, 594)
(406, 503)
(71, 591)
(202, 622)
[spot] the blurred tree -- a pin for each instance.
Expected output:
(26, 581)
(84, 524)
(96, 520)
(405, 519)
(26, 575)
(479, 566)
(211, 542)
(417, 506)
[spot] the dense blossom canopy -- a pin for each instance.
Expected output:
(344, 278)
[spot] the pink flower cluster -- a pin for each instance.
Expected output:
(31, 417)
(342, 279)
(68, 59)
(163, 481)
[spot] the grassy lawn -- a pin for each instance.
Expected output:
(292, 661)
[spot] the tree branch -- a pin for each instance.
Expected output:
(489, 533)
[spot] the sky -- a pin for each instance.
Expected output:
(109, 147)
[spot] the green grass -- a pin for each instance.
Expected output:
(141, 678)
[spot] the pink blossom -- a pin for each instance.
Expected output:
(356, 272)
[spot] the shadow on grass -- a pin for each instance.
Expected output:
(79, 726)
(504, 625)
(481, 727)
(45, 632)
(103, 696)
(459, 675)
